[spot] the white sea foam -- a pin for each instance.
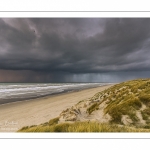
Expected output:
(9, 91)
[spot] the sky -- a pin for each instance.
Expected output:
(74, 49)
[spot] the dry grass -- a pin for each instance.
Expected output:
(92, 108)
(125, 98)
(82, 127)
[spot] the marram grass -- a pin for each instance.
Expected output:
(92, 108)
(125, 98)
(82, 127)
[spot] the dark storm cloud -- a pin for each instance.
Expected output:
(67, 47)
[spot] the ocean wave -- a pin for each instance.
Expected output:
(17, 91)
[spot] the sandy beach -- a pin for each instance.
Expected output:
(14, 116)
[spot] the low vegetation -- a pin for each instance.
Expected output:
(53, 121)
(92, 108)
(127, 104)
(82, 127)
(126, 98)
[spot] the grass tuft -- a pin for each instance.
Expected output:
(93, 107)
(53, 121)
(145, 98)
(83, 127)
(125, 98)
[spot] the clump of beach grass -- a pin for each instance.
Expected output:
(92, 108)
(83, 127)
(130, 99)
(53, 121)
(125, 99)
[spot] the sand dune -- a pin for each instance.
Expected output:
(14, 116)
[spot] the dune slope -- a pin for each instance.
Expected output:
(124, 104)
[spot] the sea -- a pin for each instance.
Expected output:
(12, 92)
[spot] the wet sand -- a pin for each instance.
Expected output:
(14, 116)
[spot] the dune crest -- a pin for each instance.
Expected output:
(127, 103)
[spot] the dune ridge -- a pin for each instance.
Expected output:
(126, 105)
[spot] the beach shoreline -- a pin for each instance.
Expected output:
(47, 96)
(18, 114)
(20, 92)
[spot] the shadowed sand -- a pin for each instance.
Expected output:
(14, 116)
